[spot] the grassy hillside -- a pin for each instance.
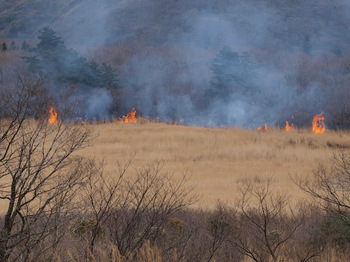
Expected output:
(216, 159)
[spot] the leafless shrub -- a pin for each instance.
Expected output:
(145, 204)
(266, 224)
(38, 173)
(305, 245)
(127, 210)
(329, 189)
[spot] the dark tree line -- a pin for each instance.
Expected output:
(64, 65)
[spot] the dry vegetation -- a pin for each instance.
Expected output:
(217, 158)
(125, 198)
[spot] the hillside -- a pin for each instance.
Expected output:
(23, 18)
(206, 63)
(153, 130)
(297, 25)
(215, 159)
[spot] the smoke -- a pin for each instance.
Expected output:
(97, 103)
(85, 102)
(288, 44)
(83, 24)
(164, 53)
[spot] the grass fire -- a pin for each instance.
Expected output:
(180, 131)
(318, 125)
(129, 118)
(53, 116)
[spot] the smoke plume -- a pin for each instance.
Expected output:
(164, 52)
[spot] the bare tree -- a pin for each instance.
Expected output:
(330, 191)
(39, 175)
(127, 208)
(221, 229)
(100, 196)
(330, 187)
(305, 245)
(264, 225)
(145, 204)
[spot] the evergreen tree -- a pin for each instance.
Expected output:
(13, 45)
(233, 73)
(47, 53)
(71, 67)
(25, 46)
(64, 65)
(92, 74)
(49, 42)
(109, 76)
(4, 47)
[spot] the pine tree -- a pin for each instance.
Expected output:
(48, 53)
(25, 46)
(64, 65)
(13, 45)
(4, 47)
(109, 76)
(233, 74)
(92, 74)
(49, 42)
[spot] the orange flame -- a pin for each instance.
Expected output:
(289, 127)
(265, 128)
(80, 120)
(53, 116)
(129, 118)
(318, 126)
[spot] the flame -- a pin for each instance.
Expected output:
(53, 116)
(318, 126)
(80, 120)
(129, 118)
(289, 127)
(265, 128)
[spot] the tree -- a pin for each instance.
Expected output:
(128, 209)
(13, 45)
(143, 206)
(233, 73)
(221, 229)
(4, 47)
(49, 42)
(39, 176)
(63, 65)
(108, 76)
(264, 226)
(92, 74)
(70, 67)
(25, 45)
(100, 197)
(331, 187)
(48, 52)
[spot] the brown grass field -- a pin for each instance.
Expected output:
(217, 158)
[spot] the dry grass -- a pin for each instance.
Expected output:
(217, 159)
(111, 253)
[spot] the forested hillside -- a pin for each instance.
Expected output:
(204, 62)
